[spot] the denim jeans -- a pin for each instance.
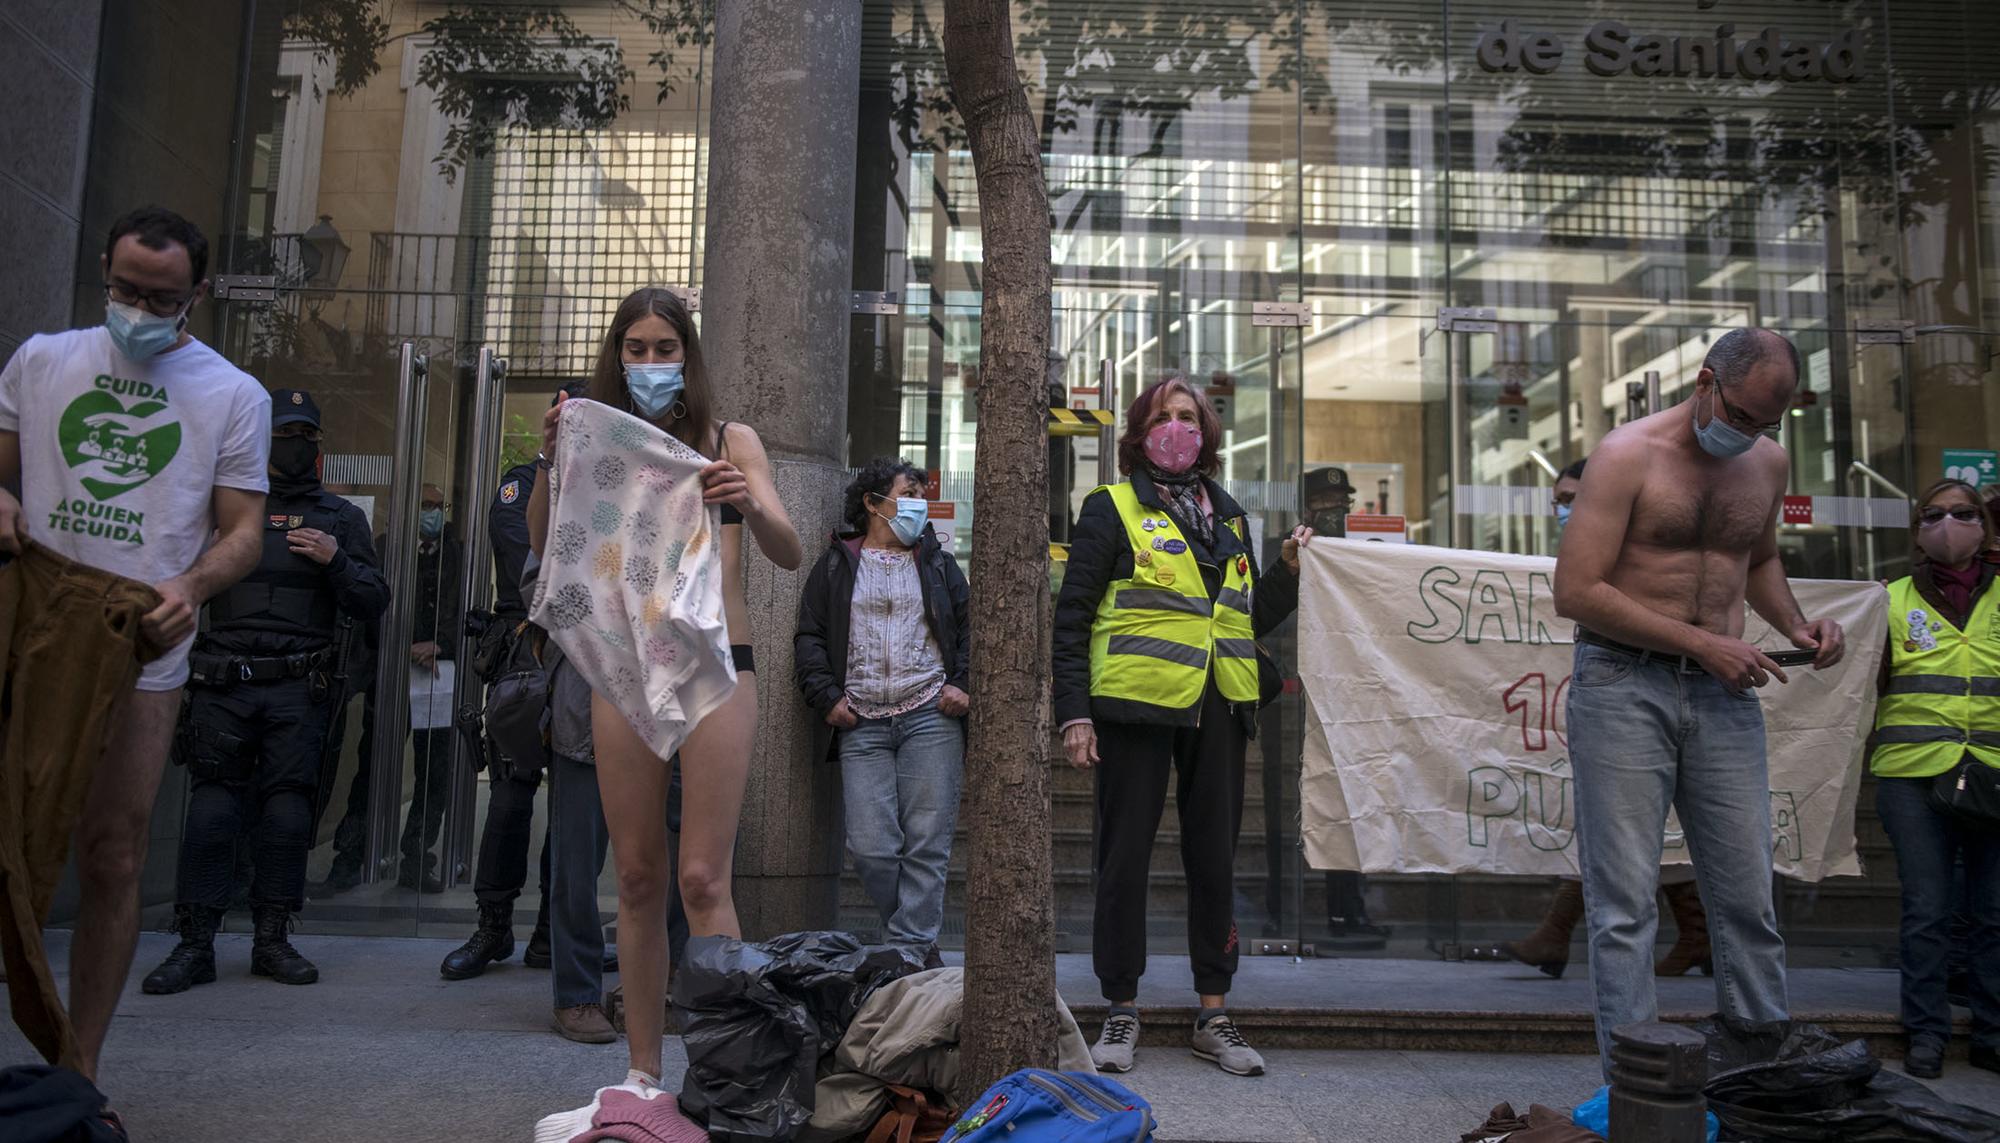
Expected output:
(1646, 733)
(1926, 844)
(900, 780)
(577, 842)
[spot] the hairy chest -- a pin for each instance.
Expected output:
(1686, 513)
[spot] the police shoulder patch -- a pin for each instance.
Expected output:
(510, 492)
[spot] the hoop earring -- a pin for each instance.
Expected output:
(679, 409)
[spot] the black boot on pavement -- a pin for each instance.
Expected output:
(492, 941)
(193, 960)
(537, 955)
(272, 955)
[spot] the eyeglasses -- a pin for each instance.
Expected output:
(1963, 513)
(1737, 419)
(159, 303)
(436, 505)
(297, 430)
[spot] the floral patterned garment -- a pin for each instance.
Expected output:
(631, 580)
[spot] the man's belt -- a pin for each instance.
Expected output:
(224, 670)
(1686, 664)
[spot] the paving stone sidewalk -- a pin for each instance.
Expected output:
(383, 1048)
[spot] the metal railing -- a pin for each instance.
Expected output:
(1859, 475)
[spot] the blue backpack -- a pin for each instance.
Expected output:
(1034, 1106)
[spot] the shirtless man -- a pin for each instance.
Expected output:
(1675, 530)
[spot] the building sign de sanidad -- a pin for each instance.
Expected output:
(1613, 48)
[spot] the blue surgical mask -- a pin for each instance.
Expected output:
(654, 388)
(1562, 516)
(138, 334)
(430, 521)
(908, 522)
(1719, 438)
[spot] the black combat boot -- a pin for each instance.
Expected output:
(272, 955)
(193, 960)
(492, 941)
(538, 953)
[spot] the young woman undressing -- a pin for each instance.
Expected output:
(650, 365)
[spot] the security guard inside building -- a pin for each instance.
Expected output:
(263, 679)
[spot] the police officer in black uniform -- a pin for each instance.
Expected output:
(502, 871)
(260, 698)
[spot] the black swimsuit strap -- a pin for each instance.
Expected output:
(730, 513)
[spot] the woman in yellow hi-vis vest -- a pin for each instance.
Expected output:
(1156, 678)
(1940, 706)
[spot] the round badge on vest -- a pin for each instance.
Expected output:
(1159, 543)
(1166, 577)
(1176, 547)
(1143, 557)
(1147, 524)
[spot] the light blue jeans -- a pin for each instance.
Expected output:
(900, 779)
(1646, 733)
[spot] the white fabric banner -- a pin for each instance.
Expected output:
(1436, 741)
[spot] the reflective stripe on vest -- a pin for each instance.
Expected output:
(1158, 635)
(1942, 700)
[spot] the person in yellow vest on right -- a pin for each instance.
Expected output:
(1155, 679)
(1940, 706)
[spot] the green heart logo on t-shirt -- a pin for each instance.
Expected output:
(113, 444)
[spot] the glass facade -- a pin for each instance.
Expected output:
(1445, 246)
(1503, 221)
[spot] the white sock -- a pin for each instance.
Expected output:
(637, 1078)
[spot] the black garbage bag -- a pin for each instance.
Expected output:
(756, 1018)
(1793, 1081)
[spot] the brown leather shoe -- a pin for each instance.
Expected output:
(584, 1024)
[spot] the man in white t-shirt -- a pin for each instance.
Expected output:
(137, 450)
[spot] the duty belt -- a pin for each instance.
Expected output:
(1685, 664)
(223, 670)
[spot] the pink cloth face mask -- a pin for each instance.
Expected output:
(1173, 445)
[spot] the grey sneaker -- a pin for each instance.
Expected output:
(1217, 1041)
(1113, 1050)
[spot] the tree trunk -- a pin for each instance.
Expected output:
(1010, 990)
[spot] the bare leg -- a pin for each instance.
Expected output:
(715, 766)
(110, 853)
(633, 783)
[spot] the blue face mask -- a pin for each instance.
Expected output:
(908, 522)
(654, 388)
(1562, 516)
(1719, 438)
(138, 334)
(430, 521)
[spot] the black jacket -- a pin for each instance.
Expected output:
(1100, 553)
(507, 530)
(819, 648)
(350, 583)
(439, 615)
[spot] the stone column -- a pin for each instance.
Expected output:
(48, 56)
(774, 325)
